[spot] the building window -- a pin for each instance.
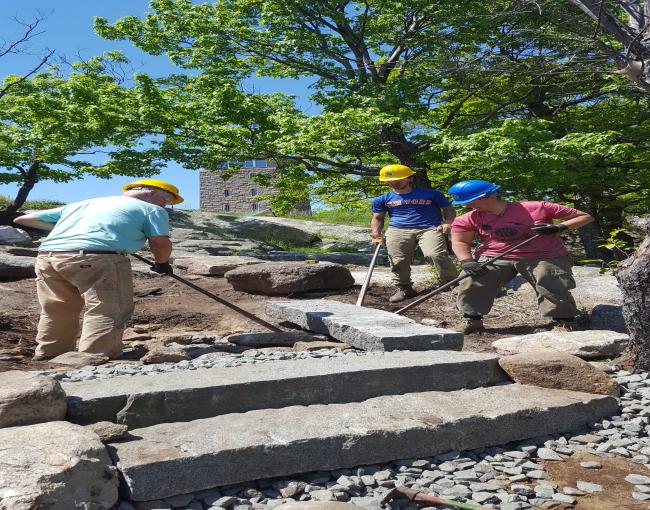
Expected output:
(254, 207)
(253, 192)
(226, 193)
(226, 207)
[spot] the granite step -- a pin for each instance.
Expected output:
(364, 328)
(192, 394)
(176, 458)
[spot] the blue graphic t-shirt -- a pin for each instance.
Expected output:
(418, 209)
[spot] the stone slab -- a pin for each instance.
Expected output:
(364, 328)
(589, 344)
(189, 395)
(175, 458)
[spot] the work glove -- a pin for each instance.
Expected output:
(472, 267)
(377, 239)
(162, 268)
(548, 228)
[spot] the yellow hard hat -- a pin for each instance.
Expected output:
(395, 173)
(156, 183)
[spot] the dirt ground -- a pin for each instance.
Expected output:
(166, 305)
(162, 304)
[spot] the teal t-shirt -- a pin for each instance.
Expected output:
(106, 224)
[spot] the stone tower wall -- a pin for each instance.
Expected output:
(235, 194)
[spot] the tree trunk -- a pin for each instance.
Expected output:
(30, 179)
(406, 152)
(633, 275)
(591, 235)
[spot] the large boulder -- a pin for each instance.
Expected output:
(55, 465)
(16, 267)
(211, 265)
(27, 398)
(289, 277)
(591, 344)
(10, 235)
(552, 369)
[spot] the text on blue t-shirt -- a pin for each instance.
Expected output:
(418, 209)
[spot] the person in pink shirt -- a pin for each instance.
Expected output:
(544, 262)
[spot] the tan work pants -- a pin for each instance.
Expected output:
(401, 244)
(552, 280)
(67, 282)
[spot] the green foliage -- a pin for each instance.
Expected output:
(41, 204)
(620, 243)
(356, 214)
(511, 92)
(49, 123)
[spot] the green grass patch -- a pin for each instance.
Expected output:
(358, 216)
(5, 202)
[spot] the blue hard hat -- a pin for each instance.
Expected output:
(464, 192)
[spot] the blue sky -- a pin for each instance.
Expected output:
(68, 30)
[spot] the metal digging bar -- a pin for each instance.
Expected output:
(366, 282)
(463, 276)
(241, 311)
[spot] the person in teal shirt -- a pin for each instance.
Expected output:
(82, 264)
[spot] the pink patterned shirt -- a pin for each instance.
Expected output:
(499, 232)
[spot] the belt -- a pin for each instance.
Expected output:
(81, 252)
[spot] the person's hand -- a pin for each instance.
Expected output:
(377, 239)
(445, 228)
(162, 268)
(548, 228)
(472, 267)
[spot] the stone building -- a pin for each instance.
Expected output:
(236, 194)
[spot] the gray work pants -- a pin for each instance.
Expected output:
(401, 244)
(551, 278)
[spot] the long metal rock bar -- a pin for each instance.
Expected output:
(463, 276)
(241, 311)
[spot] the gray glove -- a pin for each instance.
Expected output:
(472, 267)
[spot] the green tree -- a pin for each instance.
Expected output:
(49, 124)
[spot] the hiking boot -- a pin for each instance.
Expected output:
(403, 292)
(473, 326)
(563, 326)
(41, 357)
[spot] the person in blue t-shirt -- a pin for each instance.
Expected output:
(417, 217)
(83, 263)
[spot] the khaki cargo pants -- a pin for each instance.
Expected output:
(65, 282)
(401, 244)
(552, 280)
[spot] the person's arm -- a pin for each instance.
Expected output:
(461, 244)
(161, 247)
(448, 215)
(377, 226)
(32, 220)
(579, 219)
(575, 220)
